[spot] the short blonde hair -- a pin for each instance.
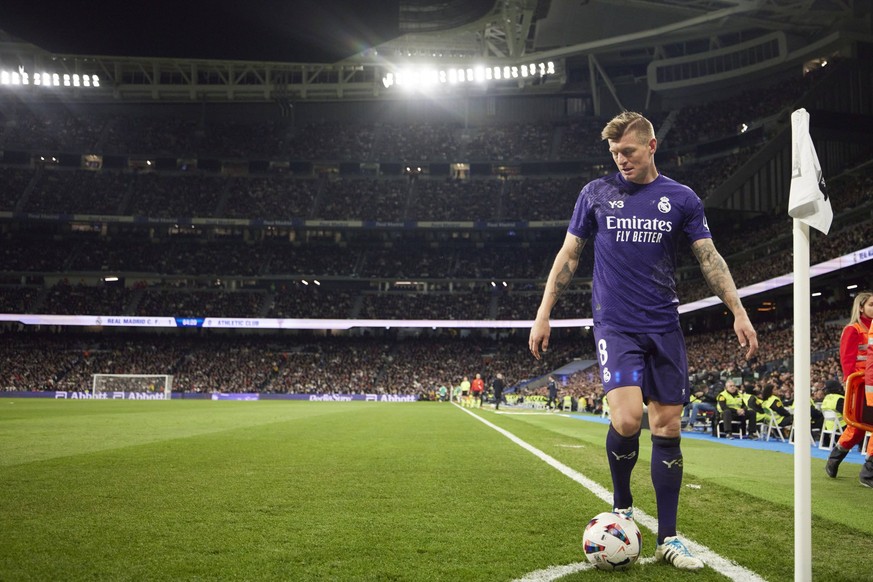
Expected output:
(860, 299)
(625, 122)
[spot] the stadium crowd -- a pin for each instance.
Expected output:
(186, 271)
(378, 363)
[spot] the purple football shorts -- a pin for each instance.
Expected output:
(656, 362)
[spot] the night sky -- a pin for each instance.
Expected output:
(252, 30)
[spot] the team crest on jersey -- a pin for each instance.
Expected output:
(606, 375)
(664, 205)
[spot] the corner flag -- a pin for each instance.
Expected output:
(807, 199)
(808, 204)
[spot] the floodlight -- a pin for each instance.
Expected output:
(431, 77)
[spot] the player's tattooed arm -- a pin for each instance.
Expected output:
(566, 262)
(716, 273)
(719, 279)
(560, 276)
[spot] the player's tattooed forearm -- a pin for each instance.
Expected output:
(580, 244)
(562, 281)
(717, 275)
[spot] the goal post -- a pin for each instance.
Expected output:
(132, 386)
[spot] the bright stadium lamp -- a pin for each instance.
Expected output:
(47, 79)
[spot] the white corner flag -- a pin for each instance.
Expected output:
(808, 205)
(808, 198)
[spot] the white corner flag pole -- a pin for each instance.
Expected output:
(802, 436)
(808, 204)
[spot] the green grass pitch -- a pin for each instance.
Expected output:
(203, 490)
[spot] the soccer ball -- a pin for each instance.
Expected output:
(612, 542)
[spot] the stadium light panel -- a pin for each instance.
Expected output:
(850, 287)
(46, 79)
(417, 77)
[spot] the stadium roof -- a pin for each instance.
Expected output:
(332, 30)
(344, 49)
(623, 32)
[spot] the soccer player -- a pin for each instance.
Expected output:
(636, 219)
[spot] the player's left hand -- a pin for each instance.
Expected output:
(746, 334)
(539, 337)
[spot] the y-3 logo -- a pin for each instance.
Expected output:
(626, 457)
(674, 462)
(616, 203)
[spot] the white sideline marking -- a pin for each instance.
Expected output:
(556, 572)
(720, 564)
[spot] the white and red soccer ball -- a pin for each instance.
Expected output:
(612, 541)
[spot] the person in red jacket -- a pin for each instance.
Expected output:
(854, 352)
(476, 389)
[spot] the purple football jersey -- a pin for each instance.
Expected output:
(636, 230)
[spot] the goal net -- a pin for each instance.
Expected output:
(132, 386)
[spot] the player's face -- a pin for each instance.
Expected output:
(634, 157)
